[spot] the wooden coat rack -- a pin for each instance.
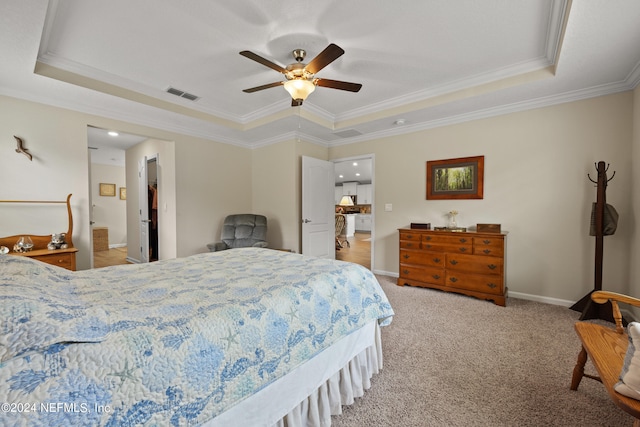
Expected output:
(589, 309)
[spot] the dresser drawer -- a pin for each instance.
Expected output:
(64, 260)
(432, 259)
(489, 284)
(409, 244)
(451, 239)
(488, 246)
(475, 264)
(422, 274)
(409, 236)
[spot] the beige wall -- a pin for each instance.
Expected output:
(209, 179)
(213, 181)
(634, 214)
(536, 186)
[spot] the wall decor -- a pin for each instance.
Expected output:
(461, 178)
(21, 148)
(107, 189)
(123, 193)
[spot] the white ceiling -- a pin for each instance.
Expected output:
(428, 62)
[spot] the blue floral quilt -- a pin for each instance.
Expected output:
(174, 342)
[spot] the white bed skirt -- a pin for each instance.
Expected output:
(310, 394)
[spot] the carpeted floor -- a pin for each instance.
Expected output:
(451, 360)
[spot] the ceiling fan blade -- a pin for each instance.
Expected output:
(296, 102)
(267, 86)
(324, 58)
(337, 84)
(263, 61)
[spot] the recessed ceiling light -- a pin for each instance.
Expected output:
(340, 176)
(357, 174)
(355, 163)
(113, 133)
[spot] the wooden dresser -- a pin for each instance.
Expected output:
(468, 263)
(65, 258)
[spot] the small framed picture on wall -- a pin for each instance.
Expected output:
(107, 189)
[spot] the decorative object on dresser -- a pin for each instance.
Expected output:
(468, 263)
(488, 228)
(63, 257)
(461, 178)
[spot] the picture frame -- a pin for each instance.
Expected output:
(123, 193)
(107, 189)
(461, 178)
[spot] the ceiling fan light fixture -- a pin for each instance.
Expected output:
(299, 88)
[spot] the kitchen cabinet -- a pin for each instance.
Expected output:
(349, 188)
(363, 191)
(363, 222)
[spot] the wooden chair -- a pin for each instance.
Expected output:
(606, 348)
(340, 225)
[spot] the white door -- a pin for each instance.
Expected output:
(318, 210)
(143, 209)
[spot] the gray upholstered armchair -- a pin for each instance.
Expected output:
(241, 231)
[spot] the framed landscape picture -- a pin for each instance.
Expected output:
(461, 178)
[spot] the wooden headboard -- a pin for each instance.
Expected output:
(40, 242)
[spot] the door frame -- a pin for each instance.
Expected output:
(371, 157)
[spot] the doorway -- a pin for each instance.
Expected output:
(108, 209)
(354, 178)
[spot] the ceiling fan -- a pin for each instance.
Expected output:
(301, 80)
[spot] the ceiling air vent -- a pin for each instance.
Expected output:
(182, 94)
(349, 133)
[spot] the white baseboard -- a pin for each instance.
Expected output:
(118, 245)
(133, 260)
(386, 273)
(520, 295)
(538, 298)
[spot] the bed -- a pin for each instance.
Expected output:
(245, 337)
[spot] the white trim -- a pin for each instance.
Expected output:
(547, 300)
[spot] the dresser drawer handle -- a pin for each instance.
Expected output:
(486, 241)
(406, 272)
(427, 246)
(453, 279)
(487, 251)
(406, 256)
(453, 262)
(437, 260)
(492, 266)
(428, 237)
(462, 249)
(409, 236)
(491, 285)
(463, 240)
(409, 245)
(436, 276)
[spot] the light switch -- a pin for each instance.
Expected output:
(388, 207)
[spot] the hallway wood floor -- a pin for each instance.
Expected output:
(114, 256)
(359, 252)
